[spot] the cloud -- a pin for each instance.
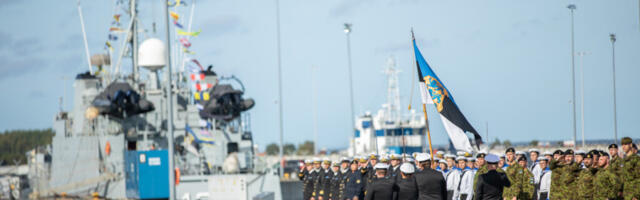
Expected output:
(19, 56)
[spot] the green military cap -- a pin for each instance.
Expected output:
(613, 146)
(602, 153)
(558, 152)
(510, 149)
(568, 152)
(589, 155)
(626, 140)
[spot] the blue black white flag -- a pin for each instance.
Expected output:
(454, 121)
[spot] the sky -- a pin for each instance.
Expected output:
(506, 63)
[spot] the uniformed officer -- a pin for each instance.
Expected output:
(307, 181)
(382, 187)
(353, 183)
(322, 185)
(543, 183)
(344, 170)
(491, 184)
(596, 155)
(482, 166)
(334, 183)
(406, 183)
(521, 181)
(630, 170)
(431, 184)
(394, 168)
(585, 178)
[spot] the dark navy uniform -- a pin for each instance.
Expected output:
(490, 185)
(309, 184)
(381, 189)
(431, 184)
(334, 185)
(323, 182)
(354, 185)
(407, 188)
(344, 175)
(393, 173)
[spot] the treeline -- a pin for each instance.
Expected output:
(306, 148)
(15, 143)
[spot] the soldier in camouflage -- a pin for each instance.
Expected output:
(630, 171)
(522, 186)
(606, 181)
(586, 178)
(556, 173)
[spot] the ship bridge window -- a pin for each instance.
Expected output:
(379, 133)
(357, 133)
(408, 131)
(366, 124)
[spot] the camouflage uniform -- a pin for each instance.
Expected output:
(522, 186)
(607, 183)
(557, 187)
(585, 183)
(481, 170)
(571, 173)
(631, 177)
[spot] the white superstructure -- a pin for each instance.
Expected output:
(383, 132)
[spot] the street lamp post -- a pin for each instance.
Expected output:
(613, 65)
(572, 7)
(280, 152)
(347, 31)
(582, 54)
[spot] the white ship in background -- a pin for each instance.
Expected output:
(389, 130)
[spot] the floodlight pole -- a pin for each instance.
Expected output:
(572, 7)
(613, 66)
(347, 31)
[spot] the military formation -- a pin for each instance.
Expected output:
(562, 174)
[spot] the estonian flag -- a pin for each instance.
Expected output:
(454, 121)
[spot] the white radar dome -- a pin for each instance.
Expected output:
(152, 54)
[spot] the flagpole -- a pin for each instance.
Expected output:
(426, 121)
(424, 110)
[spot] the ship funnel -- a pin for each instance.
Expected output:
(152, 54)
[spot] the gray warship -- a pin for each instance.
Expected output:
(123, 130)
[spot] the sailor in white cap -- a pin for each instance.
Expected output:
(382, 186)
(454, 177)
(406, 183)
(431, 183)
(548, 155)
(544, 180)
(421, 157)
(534, 167)
(465, 187)
(451, 160)
(442, 164)
(490, 185)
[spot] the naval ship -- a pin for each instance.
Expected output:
(150, 134)
(389, 130)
